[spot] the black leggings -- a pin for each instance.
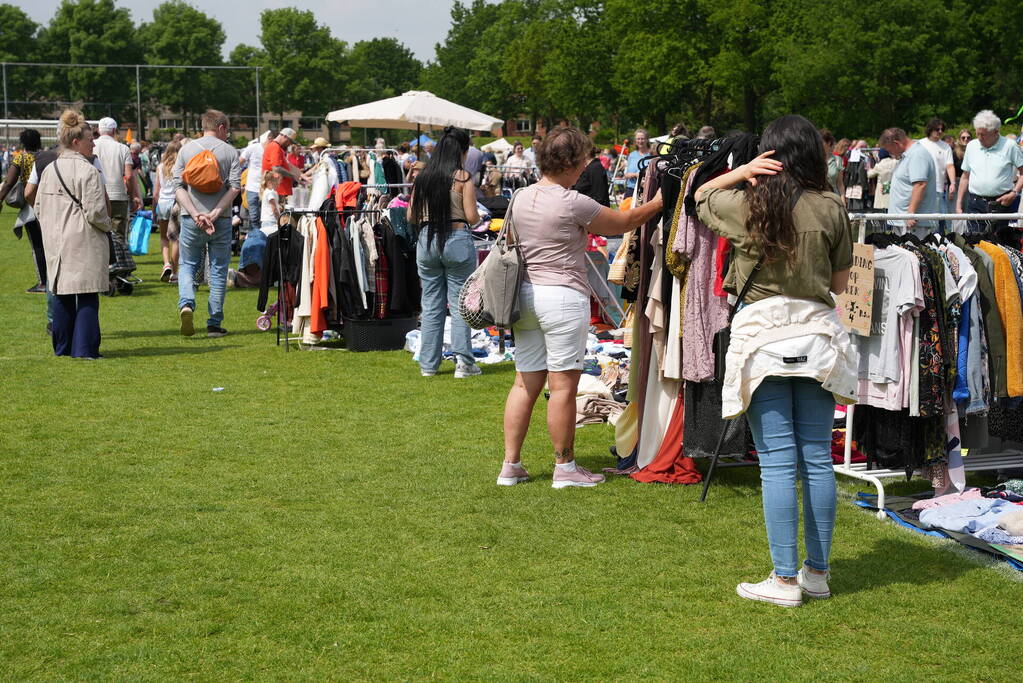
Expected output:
(35, 239)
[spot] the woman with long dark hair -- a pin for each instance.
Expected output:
(444, 206)
(21, 169)
(789, 360)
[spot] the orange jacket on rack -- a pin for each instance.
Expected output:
(321, 281)
(1008, 297)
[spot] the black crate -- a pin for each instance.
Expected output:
(377, 335)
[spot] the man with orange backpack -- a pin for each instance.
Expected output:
(207, 175)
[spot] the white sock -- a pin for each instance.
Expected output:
(515, 464)
(566, 467)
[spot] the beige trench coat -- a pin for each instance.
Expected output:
(77, 250)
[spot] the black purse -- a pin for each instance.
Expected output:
(723, 337)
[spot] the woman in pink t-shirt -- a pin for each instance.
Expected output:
(551, 223)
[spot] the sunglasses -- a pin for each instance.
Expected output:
(964, 137)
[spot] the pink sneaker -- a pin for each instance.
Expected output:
(511, 474)
(581, 477)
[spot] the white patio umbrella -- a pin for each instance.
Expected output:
(414, 110)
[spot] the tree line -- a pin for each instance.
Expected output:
(303, 66)
(854, 66)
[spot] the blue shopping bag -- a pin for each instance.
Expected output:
(138, 239)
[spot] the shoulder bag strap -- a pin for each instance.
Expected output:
(56, 169)
(508, 227)
(753, 273)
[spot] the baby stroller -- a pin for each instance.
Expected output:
(122, 265)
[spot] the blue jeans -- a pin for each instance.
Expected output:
(443, 275)
(791, 420)
(191, 243)
(254, 208)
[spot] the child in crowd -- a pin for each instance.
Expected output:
(270, 202)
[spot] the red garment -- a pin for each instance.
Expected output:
(838, 449)
(297, 160)
(670, 466)
(595, 241)
(273, 156)
(720, 252)
(321, 281)
(346, 196)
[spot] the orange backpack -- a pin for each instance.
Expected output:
(202, 173)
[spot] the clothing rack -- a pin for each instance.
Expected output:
(387, 185)
(339, 150)
(285, 235)
(974, 462)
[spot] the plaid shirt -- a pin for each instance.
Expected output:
(383, 273)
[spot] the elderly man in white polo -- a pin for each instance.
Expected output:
(989, 183)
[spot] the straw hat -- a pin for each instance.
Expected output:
(319, 143)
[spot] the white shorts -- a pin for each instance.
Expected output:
(551, 334)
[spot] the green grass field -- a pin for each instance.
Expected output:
(333, 515)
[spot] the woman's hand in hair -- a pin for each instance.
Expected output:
(762, 165)
(745, 173)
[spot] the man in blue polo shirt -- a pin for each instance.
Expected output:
(913, 182)
(989, 166)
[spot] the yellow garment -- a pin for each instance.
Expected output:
(677, 262)
(1007, 296)
(245, 195)
(626, 429)
(496, 224)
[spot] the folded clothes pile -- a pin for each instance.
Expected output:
(994, 520)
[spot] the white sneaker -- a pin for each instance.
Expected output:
(771, 590)
(814, 585)
(428, 373)
(462, 371)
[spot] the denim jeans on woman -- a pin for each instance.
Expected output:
(191, 243)
(442, 275)
(791, 420)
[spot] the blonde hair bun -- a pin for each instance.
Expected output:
(71, 118)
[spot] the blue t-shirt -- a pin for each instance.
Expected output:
(916, 166)
(632, 166)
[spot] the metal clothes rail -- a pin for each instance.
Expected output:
(974, 462)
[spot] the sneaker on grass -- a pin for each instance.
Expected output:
(463, 370)
(580, 476)
(187, 326)
(814, 585)
(773, 591)
(212, 331)
(511, 474)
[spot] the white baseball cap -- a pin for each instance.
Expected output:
(107, 125)
(288, 133)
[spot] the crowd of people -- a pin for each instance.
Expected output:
(784, 213)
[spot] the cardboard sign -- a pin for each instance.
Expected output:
(854, 192)
(856, 304)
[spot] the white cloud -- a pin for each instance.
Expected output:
(419, 24)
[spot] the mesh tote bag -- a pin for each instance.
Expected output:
(490, 296)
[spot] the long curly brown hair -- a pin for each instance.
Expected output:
(800, 149)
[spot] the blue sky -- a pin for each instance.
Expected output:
(419, 24)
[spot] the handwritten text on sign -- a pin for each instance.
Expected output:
(856, 304)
